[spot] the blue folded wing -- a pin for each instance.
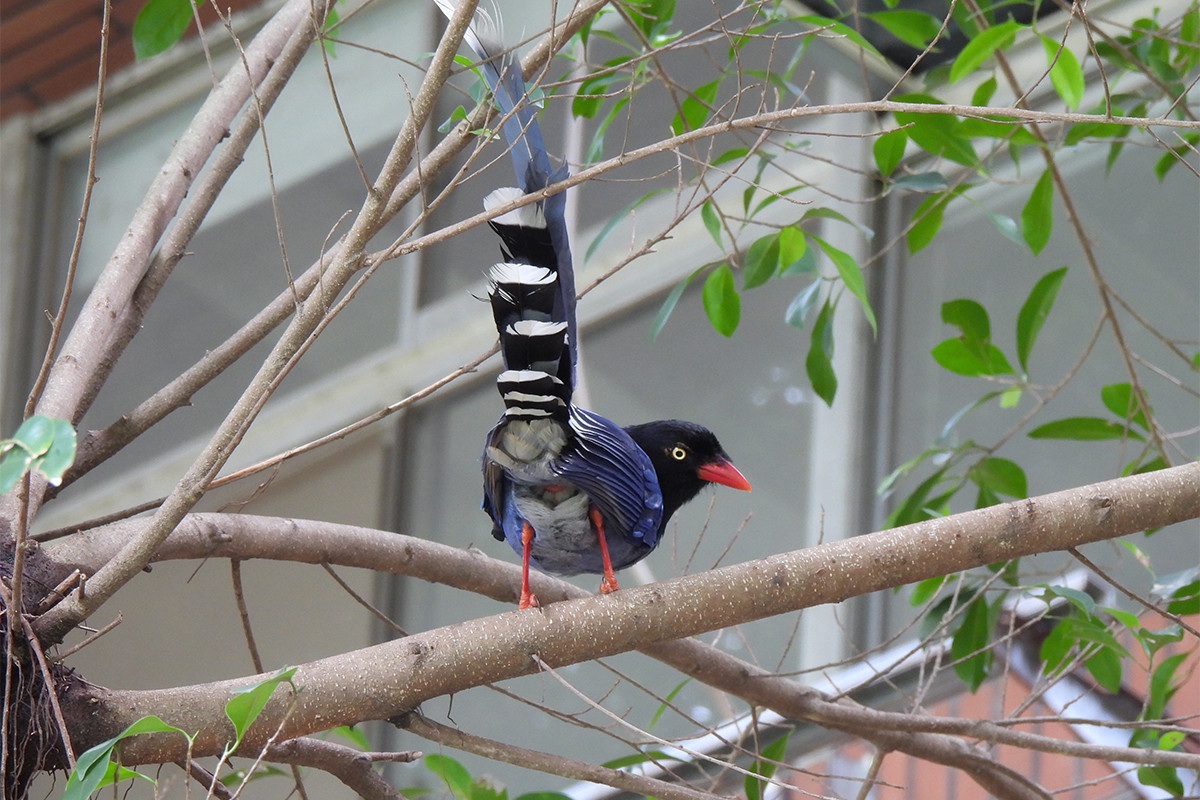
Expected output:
(616, 474)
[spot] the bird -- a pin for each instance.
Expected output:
(570, 491)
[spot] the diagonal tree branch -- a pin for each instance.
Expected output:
(395, 677)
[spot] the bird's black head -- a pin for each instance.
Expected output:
(685, 456)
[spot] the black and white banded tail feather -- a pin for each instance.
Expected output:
(501, 70)
(533, 292)
(538, 377)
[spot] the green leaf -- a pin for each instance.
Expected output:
(824, 212)
(802, 305)
(889, 151)
(1083, 429)
(925, 590)
(936, 134)
(1120, 400)
(764, 767)
(762, 259)
(1129, 620)
(1001, 476)
(1065, 72)
(914, 28)
(1095, 130)
(1034, 311)
(839, 29)
(969, 317)
(1163, 684)
(1183, 591)
(1176, 155)
(712, 222)
(658, 712)
(926, 182)
(35, 434)
(353, 735)
(160, 24)
(634, 759)
(721, 301)
(615, 220)
(851, 276)
(457, 114)
(40, 443)
(959, 357)
(927, 220)
(918, 506)
(981, 48)
(732, 154)
(1037, 218)
(806, 264)
(94, 768)
(694, 108)
(452, 773)
(1171, 739)
(1155, 641)
(1166, 778)
(664, 311)
(332, 20)
(819, 361)
(596, 148)
(969, 646)
(1057, 644)
(248, 701)
(1006, 225)
(1105, 667)
(793, 247)
(984, 91)
(1082, 601)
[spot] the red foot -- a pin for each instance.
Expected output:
(608, 583)
(528, 598)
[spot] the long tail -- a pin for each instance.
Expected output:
(533, 293)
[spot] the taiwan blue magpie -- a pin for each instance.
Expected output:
(570, 491)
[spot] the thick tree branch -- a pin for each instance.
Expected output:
(395, 677)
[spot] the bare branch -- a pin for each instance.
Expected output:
(396, 676)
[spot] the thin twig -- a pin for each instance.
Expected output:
(239, 596)
(1120, 587)
(63, 655)
(362, 601)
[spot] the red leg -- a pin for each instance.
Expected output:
(528, 598)
(608, 583)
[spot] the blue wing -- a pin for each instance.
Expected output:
(617, 475)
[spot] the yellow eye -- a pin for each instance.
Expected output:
(678, 453)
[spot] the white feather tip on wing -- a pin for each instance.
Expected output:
(524, 274)
(528, 216)
(535, 327)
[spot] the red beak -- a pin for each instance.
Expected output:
(726, 474)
